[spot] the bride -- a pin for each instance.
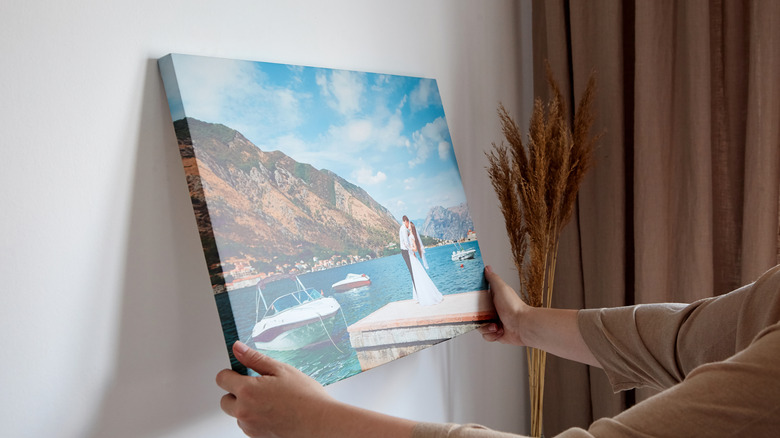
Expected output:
(425, 292)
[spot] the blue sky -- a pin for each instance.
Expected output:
(385, 133)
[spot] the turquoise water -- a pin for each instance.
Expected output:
(330, 362)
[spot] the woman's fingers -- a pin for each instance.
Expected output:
(491, 332)
(262, 364)
(231, 381)
(228, 404)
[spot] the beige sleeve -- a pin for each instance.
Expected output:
(736, 397)
(432, 430)
(739, 396)
(658, 345)
(724, 352)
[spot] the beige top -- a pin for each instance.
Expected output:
(718, 360)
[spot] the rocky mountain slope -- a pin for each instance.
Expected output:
(265, 207)
(448, 223)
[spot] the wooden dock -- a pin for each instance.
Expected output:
(403, 327)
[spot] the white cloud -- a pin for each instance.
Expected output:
(444, 150)
(286, 100)
(433, 136)
(322, 81)
(425, 94)
(292, 146)
(381, 82)
(402, 103)
(366, 176)
(296, 71)
(207, 83)
(236, 94)
(344, 90)
(359, 135)
(358, 131)
(389, 135)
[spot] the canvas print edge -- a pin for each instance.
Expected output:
(200, 210)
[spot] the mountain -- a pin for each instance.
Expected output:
(265, 208)
(448, 223)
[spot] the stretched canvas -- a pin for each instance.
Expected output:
(300, 180)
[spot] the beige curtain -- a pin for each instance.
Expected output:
(683, 200)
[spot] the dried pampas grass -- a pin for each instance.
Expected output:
(537, 185)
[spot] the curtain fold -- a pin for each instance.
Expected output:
(683, 200)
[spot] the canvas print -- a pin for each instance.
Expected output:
(330, 209)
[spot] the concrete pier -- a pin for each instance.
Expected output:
(403, 327)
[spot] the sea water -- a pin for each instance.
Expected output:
(334, 358)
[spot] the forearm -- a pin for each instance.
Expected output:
(340, 420)
(555, 331)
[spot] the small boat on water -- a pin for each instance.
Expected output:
(462, 254)
(351, 281)
(295, 319)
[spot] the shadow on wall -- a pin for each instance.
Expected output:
(170, 345)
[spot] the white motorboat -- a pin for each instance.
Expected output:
(295, 320)
(351, 281)
(462, 254)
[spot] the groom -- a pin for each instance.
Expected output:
(403, 236)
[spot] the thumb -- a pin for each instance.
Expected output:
(254, 360)
(493, 279)
(498, 287)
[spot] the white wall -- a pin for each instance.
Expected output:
(108, 322)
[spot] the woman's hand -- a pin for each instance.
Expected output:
(555, 331)
(283, 402)
(511, 311)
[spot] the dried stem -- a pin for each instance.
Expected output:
(537, 183)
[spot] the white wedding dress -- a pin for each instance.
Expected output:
(425, 292)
